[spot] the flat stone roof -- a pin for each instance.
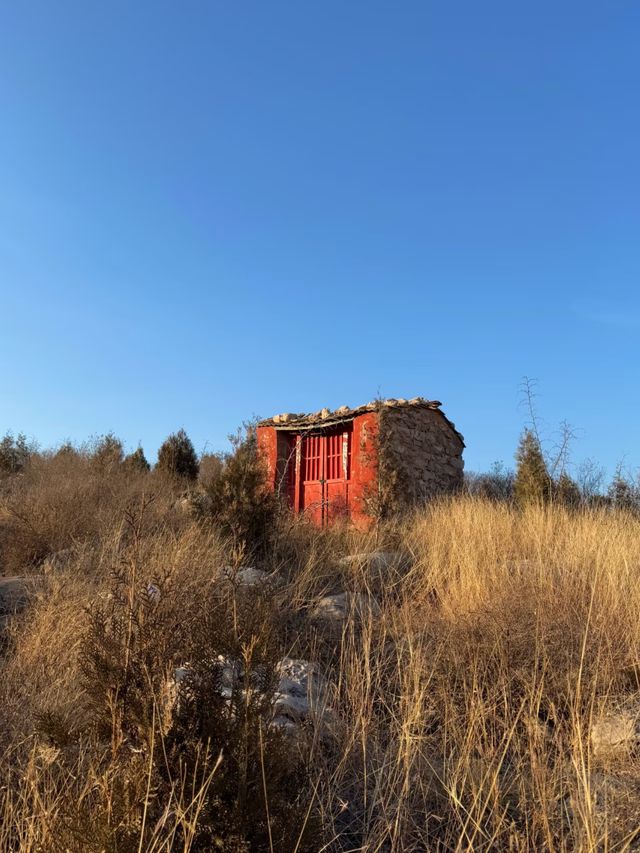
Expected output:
(328, 417)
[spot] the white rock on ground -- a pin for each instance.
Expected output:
(153, 593)
(301, 694)
(344, 605)
(380, 562)
(615, 733)
(182, 505)
(59, 561)
(13, 594)
(195, 502)
(250, 576)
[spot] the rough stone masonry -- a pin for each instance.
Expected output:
(420, 453)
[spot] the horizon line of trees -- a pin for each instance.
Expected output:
(539, 479)
(176, 455)
(231, 487)
(535, 478)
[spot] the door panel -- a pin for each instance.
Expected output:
(312, 476)
(324, 474)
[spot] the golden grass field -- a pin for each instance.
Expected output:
(463, 710)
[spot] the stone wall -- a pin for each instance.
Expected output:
(420, 455)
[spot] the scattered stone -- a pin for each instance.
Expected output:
(252, 577)
(615, 733)
(380, 563)
(59, 561)
(183, 505)
(341, 606)
(301, 695)
(153, 593)
(194, 503)
(13, 595)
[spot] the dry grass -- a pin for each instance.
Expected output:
(463, 710)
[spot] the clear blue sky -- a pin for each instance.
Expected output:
(213, 210)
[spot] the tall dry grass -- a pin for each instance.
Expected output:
(462, 711)
(467, 706)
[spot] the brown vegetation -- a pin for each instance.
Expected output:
(462, 711)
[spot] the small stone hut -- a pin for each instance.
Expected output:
(362, 463)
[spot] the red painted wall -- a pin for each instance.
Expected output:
(364, 467)
(268, 448)
(364, 464)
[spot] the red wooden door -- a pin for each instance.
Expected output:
(324, 474)
(312, 476)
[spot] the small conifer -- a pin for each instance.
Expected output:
(136, 462)
(108, 452)
(14, 453)
(177, 456)
(622, 493)
(567, 491)
(533, 483)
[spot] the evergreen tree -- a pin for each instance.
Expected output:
(567, 491)
(177, 456)
(239, 500)
(622, 493)
(14, 453)
(136, 462)
(533, 483)
(108, 452)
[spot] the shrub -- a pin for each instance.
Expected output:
(211, 465)
(567, 491)
(532, 482)
(177, 456)
(64, 499)
(240, 501)
(136, 462)
(496, 484)
(623, 493)
(14, 453)
(199, 761)
(108, 453)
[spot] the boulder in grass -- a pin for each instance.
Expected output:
(616, 733)
(15, 593)
(381, 564)
(340, 606)
(60, 561)
(252, 577)
(301, 695)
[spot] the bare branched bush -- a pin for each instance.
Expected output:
(65, 498)
(496, 484)
(125, 754)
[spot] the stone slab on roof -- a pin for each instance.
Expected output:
(328, 417)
